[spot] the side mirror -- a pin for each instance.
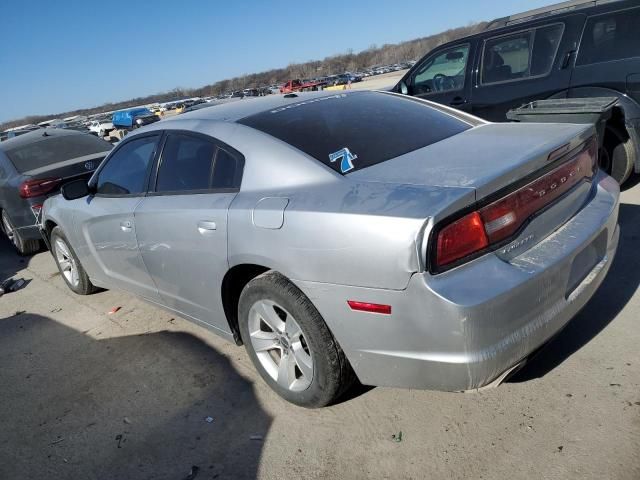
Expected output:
(76, 189)
(403, 88)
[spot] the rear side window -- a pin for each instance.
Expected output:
(349, 132)
(611, 36)
(125, 172)
(226, 171)
(186, 164)
(522, 55)
(54, 149)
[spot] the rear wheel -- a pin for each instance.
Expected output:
(618, 154)
(23, 246)
(69, 266)
(290, 344)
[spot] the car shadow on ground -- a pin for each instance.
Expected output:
(10, 261)
(157, 405)
(612, 296)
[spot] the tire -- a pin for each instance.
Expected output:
(23, 246)
(69, 266)
(622, 153)
(318, 370)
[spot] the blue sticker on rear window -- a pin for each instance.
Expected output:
(346, 164)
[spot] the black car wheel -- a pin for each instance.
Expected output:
(23, 246)
(619, 156)
(290, 344)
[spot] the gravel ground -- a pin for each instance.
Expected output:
(88, 395)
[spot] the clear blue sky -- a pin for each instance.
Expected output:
(61, 55)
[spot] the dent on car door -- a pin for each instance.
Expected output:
(182, 225)
(107, 220)
(443, 77)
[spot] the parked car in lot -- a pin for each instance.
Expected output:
(133, 118)
(574, 49)
(426, 248)
(101, 127)
(33, 167)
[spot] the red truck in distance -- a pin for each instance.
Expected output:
(300, 86)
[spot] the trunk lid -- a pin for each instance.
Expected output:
(54, 176)
(69, 169)
(528, 179)
(487, 158)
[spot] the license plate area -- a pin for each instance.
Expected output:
(585, 261)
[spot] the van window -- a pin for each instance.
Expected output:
(443, 72)
(522, 55)
(612, 36)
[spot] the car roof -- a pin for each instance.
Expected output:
(36, 136)
(232, 112)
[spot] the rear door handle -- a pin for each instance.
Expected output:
(206, 226)
(126, 225)
(457, 101)
(567, 59)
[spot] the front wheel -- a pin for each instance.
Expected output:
(290, 344)
(69, 266)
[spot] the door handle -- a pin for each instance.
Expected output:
(126, 225)
(457, 101)
(567, 59)
(205, 226)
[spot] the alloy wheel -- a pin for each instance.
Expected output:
(280, 345)
(66, 262)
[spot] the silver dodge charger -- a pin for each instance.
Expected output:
(355, 235)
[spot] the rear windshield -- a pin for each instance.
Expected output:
(349, 132)
(55, 149)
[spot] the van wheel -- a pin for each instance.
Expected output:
(290, 344)
(619, 155)
(24, 247)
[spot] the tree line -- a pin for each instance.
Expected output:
(375, 55)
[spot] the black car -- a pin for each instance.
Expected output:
(33, 167)
(574, 49)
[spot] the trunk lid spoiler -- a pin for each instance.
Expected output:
(486, 158)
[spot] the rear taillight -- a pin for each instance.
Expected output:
(502, 219)
(36, 188)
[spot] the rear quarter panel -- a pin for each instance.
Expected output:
(346, 233)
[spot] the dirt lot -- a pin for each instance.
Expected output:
(87, 395)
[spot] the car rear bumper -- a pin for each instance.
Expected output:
(31, 232)
(463, 329)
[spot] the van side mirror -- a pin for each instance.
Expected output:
(403, 88)
(76, 189)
